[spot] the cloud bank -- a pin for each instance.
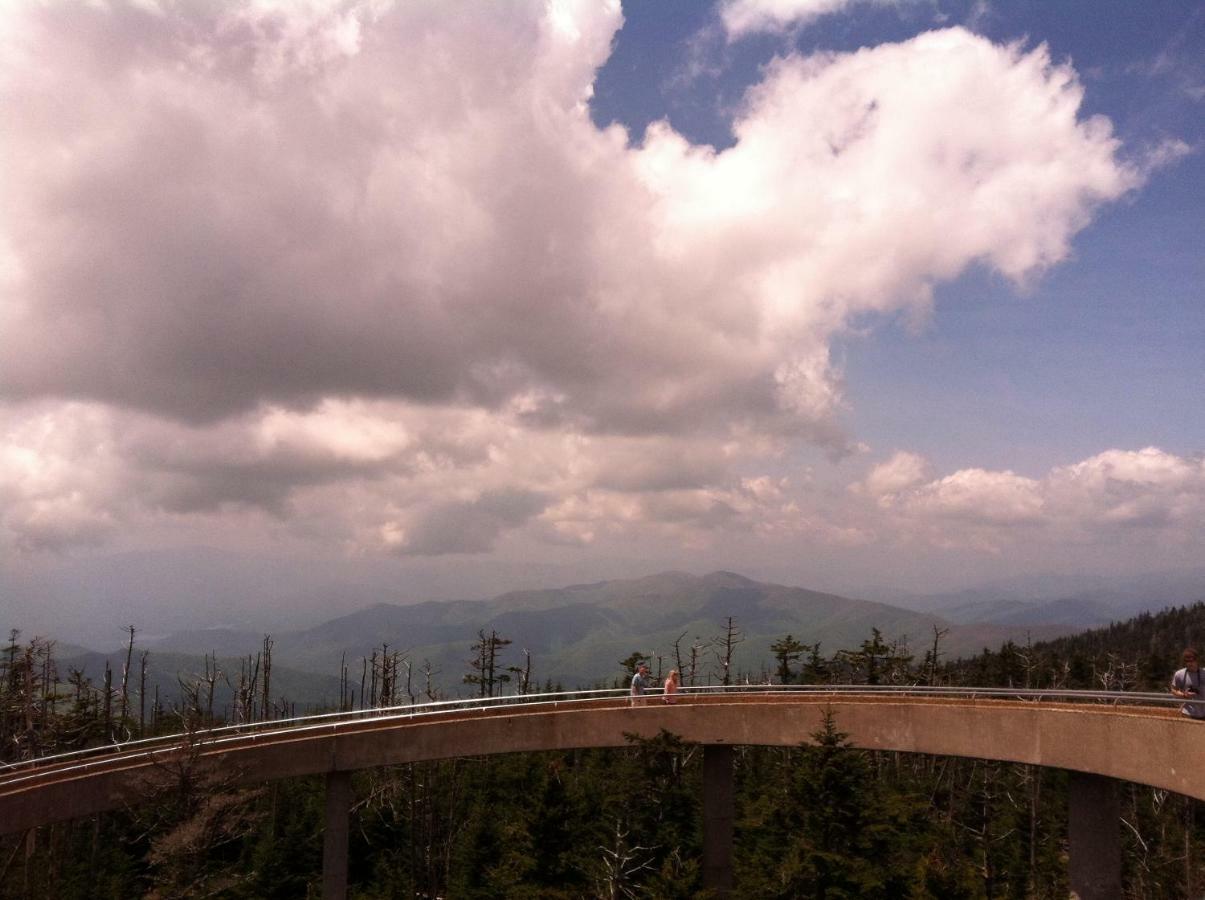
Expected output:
(368, 273)
(1130, 493)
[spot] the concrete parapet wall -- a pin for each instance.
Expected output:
(1148, 746)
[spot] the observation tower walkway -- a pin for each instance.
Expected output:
(1099, 737)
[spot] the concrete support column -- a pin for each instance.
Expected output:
(1094, 832)
(334, 840)
(718, 815)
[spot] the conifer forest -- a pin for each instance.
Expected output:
(821, 820)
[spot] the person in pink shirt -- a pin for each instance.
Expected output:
(671, 687)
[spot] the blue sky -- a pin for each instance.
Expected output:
(1107, 348)
(827, 291)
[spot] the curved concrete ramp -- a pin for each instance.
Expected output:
(1145, 745)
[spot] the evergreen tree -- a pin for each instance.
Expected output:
(787, 651)
(486, 669)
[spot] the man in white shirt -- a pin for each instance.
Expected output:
(1186, 683)
(640, 683)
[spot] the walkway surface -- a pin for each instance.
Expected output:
(1133, 737)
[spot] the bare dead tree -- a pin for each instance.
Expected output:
(191, 810)
(28, 687)
(343, 682)
(1028, 660)
(389, 667)
(678, 653)
(189, 710)
(933, 655)
(898, 664)
(428, 675)
(724, 645)
(142, 695)
(522, 673)
(266, 706)
(1116, 674)
(108, 702)
(50, 683)
(363, 681)
(618, 864)
(246, 689)
(395, 668)
(27, 692)
(125, 676)
(1059, 674)
(374, 699)
(696, 650)
(410, 681)
(211, 676)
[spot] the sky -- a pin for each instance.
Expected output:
(472, 296)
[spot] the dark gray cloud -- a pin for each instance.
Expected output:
(471, 526)
(258, 226)
(651, 466)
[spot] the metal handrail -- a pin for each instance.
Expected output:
(246, 729)
(13, 771)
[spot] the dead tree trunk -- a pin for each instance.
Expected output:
(142, 696)
(125, 676)
(726, 645)
(266, 708)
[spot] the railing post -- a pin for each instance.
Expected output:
(334, 838)
(718, 815)
(1094, 837)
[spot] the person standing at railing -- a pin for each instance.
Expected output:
(671, 687)
(640, 684)
(1186, 683)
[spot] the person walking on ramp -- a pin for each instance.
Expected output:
(640, 683)
(671, 687)
(1186, 683)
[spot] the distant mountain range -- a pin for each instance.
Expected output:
(578, 634)
(1074, 601)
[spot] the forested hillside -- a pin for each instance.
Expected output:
(573, 634)
(821, 820)
(1138, 654)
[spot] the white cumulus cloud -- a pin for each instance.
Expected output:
(1116, 490)
(371, 270)
(902, 471)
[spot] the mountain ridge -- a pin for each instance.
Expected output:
(578, 633)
